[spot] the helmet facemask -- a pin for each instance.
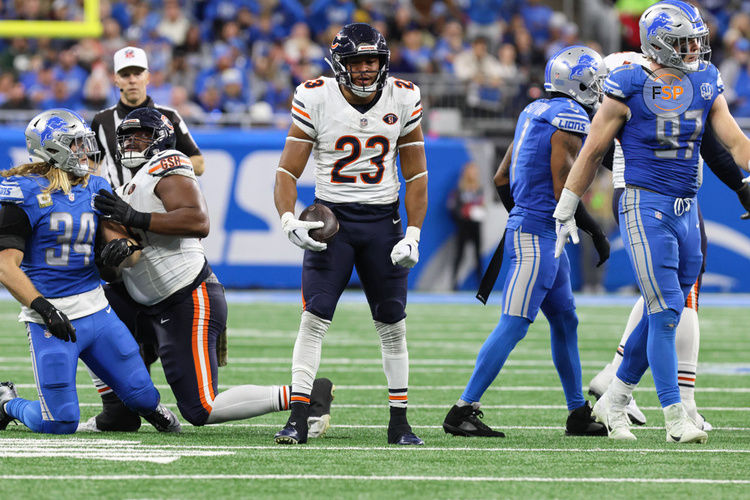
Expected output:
(61, 138)
(135, 145)
(345, 77)
(672, 32)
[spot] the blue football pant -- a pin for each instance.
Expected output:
(106, 346)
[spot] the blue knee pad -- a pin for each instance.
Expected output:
(564, 345)
(389, 311)
(493, 354)
(662, 355)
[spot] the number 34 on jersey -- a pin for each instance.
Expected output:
(355, 152)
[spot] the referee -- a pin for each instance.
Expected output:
(131, 77)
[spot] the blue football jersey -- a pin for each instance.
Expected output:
(530, 174)
(662, 152)
(59, 254)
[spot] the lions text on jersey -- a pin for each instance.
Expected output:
(168, 263)
(355, 153)
(530, 178)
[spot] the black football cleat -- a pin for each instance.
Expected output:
(163, 419)
(464, 421)
(402, 435)
(291, 434)
(320, 407)
(7, 392)
(581, 423)
(114, 417)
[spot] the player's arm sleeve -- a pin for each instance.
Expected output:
(569, 119)
(720, 161)
(172, 164)
(15, 227)
(185, 142)
(412, 109)
(304, 105)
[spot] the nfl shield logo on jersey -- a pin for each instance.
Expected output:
(707, 91)
(363, 122)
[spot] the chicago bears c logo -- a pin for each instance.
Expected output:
(390, 118)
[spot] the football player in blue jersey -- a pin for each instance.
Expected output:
(47, 231)
(548, 137)
(658, 221)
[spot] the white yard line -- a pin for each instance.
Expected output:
(342, 477)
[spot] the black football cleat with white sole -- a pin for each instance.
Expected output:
(7, 392)
(403, 436)
(582, 423)
(465, 421)
(321, 397)
(295, 430)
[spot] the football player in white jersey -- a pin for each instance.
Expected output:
(355, 124)
(688, 330)
(170, 295)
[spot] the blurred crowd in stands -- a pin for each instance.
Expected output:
(243, 58)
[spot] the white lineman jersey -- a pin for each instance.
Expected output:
(167, 263)
(355, 153)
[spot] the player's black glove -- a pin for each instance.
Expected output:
(114, 208)
(57, 323)
(602, 247)
(117, 251)
(744, 195)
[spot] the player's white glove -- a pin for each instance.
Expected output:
(296, 231)
(565, 223)
(405, 253)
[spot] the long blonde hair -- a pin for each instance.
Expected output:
(58, 179)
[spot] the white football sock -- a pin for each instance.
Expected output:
(687, 343)
(101, 387)
(307, 349)
(395, 360)
(247, 401)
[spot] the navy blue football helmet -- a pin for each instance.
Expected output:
(355, 40)
(143, 133)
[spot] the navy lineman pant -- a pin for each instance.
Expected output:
(106, 346)
(367, 234)
(185, 330)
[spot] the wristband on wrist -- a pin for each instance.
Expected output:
(413, 232)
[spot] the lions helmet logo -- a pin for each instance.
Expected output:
(662, 21)
(584, 62)
(390, 118)
(53, 125)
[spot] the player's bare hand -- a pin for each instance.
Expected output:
(297, 232)
(405, 253)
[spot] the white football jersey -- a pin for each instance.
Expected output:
(167, 263)
(355, 153)
(611, 62)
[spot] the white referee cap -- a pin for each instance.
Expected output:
(130, 56)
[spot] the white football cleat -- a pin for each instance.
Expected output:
(698, 419)
(88, 426)
(601, 380)
(614, 418)
(317, 426)
(635, 414)
(680, 427)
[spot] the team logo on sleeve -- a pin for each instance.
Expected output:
(707, 91)
(390, 119)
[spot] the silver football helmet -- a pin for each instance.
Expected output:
(576, 71)
(62, 138)
(673, 31)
